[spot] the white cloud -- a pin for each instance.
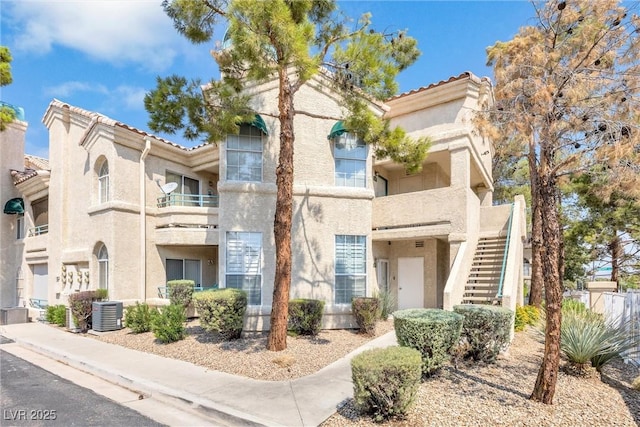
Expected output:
(67, 89)
(117, 31)
(131, 97)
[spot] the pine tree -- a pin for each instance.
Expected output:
(7, 114)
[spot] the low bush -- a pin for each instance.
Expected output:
(587, 340)
(526, 315)
(138, 317)
(102, 294)
(57, 314)
(366, 312)
(386, 381)
(636, 384)
(305, 316)
(486, 329)
(222, 311)
(168, 324)
(81, 307)
(387, 303)
(431, 331)
(570, 304)
(180, 292)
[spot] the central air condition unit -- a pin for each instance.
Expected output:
(106, 316)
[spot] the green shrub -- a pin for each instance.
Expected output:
(570, 304)
(138, 317)
(386, 381)
(636, 384)
(102, 294)
(586, 339)
(180, 292)
(81, 307)
(57, 314)
(486, 330)
(366, 312)
(222, 311)
(168, 324)
(431, 331)
(526, 315)
(387, 303)
(305, 316)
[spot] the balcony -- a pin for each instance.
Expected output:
(427, 213)
(37, 231)
(191, 200)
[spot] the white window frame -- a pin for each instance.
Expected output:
(248, 143)
(350, 152)
(244, 263)
(350, 269)
(103, 267)
(197, 281)
(103, 182)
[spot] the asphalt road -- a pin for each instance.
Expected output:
(32, 396)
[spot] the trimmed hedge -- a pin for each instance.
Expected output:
(180, 292)
(486, 330)
(138, 317)
(222, 311)
(168, 325)
(386, 381)
(305, 316)
(431, 331)
(366, 312)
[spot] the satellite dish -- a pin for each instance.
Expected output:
(169, 187)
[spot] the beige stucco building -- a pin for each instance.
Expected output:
(102, 212)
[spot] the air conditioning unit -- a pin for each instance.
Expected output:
(106, 316)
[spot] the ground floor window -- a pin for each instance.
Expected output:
(243, 264)
(103, 268)
(187, 269)
(350, 267)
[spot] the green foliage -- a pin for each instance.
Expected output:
(526, 315)
(6, 77)
(486, 330)
(636, 384)
(386, 381)
(102, 294)
(57, 314)
(168, 324)
(431, 331)
(587, 339)
(366, 312)
(222, 311)
(180, 292)
(81, 305)
(572, 305)
(305, 316)
(138, 317)
(387, 303)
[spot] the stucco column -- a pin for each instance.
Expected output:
(460, 166)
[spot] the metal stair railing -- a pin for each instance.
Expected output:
(504, 258)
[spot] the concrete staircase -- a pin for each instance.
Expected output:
(484, 279)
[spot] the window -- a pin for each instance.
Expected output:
(188, 269)
(103, 183)
(350, 155)
(20, 226)
(188, 191)
(244, 269)
(103, 268)
(351, 268)
(244, 155)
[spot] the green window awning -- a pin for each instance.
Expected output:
(337, 130)
(14, 206)
(260, 124)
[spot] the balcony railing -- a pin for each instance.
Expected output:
(36, 231)
(198, 200)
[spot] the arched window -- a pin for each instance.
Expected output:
(103, 268)
(103, 182)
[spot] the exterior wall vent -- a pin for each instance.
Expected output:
(420, 244)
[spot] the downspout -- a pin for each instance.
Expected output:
(143, 222)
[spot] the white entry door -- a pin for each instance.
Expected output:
(40, 282)
(410, 282)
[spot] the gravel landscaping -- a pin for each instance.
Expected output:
(471, 395)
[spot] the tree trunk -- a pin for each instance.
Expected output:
(282, 223)
(551, 257)
(535, 292)
(615, 249)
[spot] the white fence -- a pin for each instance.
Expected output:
(624, 309)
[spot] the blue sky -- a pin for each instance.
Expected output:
(104, 55)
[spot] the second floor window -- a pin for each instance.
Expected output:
(20, 226)
(103, 183)
(350, 155)
(244, 155)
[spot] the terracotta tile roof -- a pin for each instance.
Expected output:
(36, 163)
(465, 75)
(21, 176)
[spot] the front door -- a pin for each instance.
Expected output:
(410, 282)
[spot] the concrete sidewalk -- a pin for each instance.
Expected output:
(225, 399)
